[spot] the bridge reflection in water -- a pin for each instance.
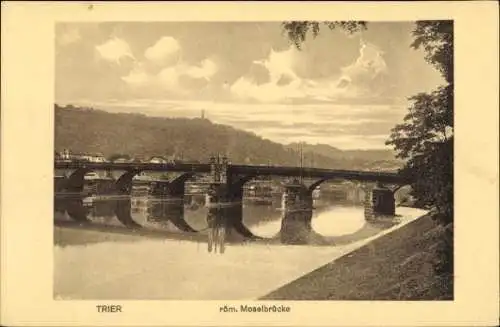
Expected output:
(169, 265)
(191, 219)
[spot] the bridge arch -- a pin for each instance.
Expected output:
(233, 193)
(177, 186)
(164, 211)
(124, 183)
(236, 195)
(76, 210)
(75, 181)
(402, 193)
(123, 213)
(314, 185)
(182, 225)
(170, 204)
(240, 181)
(398, 187)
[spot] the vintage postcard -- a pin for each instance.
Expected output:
(249, 164)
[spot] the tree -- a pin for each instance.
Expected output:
(425, 138)
(297, 30)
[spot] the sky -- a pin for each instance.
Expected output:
(343, 90)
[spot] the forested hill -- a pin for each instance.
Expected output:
(88, 130)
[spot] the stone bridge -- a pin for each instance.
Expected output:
(225, 195)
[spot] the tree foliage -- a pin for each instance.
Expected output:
(425, 138)
(297, 31)
(436, 38)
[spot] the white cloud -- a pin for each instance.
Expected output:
(352, 82)
(283, 84)
(169, 78)
(114, 49)
(368, 65)
(137, 77)
(268, 92)
(162, 49)
(280, 64)
(205, 70)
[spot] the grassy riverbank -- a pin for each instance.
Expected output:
(396, 266)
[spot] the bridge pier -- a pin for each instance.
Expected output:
(74, 183)
(74, 207)
(158, 188)
(60, 183)
(297, 206)
(384, 202)
(235, 211)
(225, 202)
(217, 203)
(124, 183)
(123, 208)
(379, 202)
(225, 211)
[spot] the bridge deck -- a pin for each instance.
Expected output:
(306, 172)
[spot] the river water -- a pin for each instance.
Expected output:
(99, 259)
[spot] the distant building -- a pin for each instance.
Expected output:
(73, 156)
(57, 156)
(65, 154)
(90, 157)
(97, 157)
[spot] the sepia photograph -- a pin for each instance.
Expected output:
(249, 164)
(295, 160)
